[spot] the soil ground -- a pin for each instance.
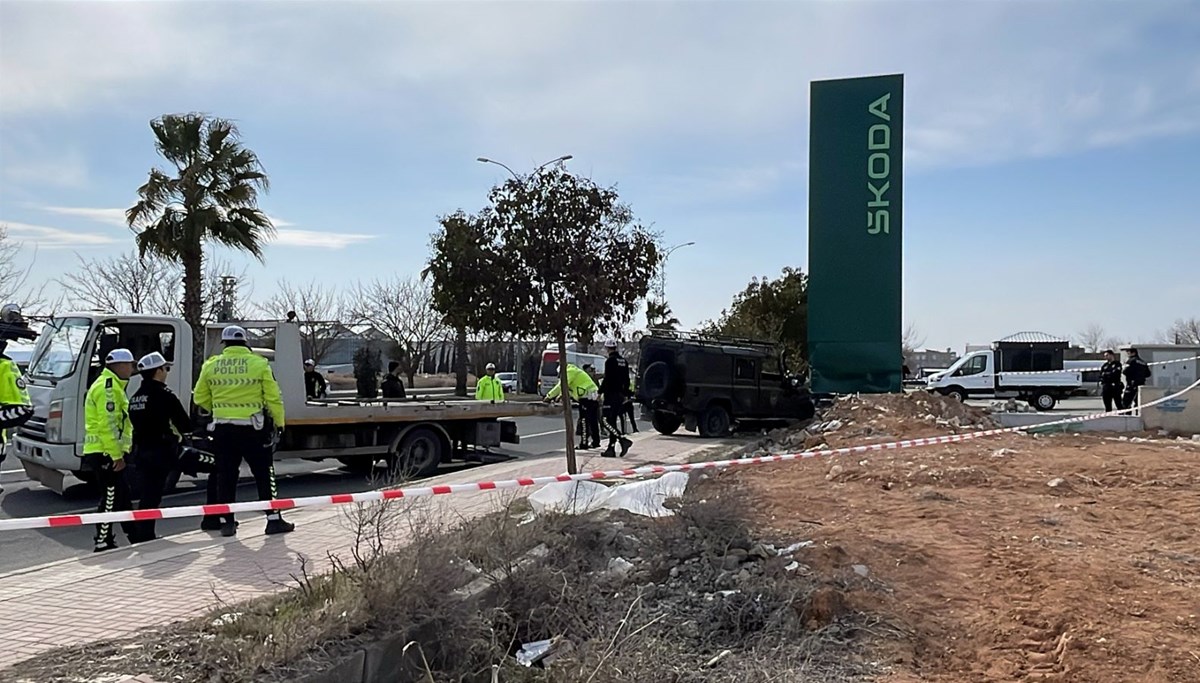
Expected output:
(1014, 558)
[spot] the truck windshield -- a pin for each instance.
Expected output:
(58, 348)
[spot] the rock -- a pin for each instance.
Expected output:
(743, 576)
(835, 471)
(1056, 482)
(861, 570)
(1196, 437)
(761, 552)
(1000, 453)
(792, 566)
(619, 567)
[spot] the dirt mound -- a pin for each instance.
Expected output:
(874, 418)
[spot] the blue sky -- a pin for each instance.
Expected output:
(1051, 148)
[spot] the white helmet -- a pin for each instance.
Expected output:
(233, 333)
(610, 343)
(152, 361)
(490, 366)
(119, 356)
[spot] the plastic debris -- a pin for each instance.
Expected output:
(641, 498)
(543, 652)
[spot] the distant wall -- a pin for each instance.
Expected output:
(1180, 415)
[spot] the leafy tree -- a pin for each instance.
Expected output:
(770, 310)
(577, 259)
(464, 275)
(210, 195)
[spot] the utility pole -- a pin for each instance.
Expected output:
(228, 298)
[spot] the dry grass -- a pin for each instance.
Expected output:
(669, 617)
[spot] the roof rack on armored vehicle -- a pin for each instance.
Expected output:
(706, 338)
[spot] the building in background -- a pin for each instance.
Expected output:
(931, 358)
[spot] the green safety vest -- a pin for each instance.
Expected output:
(106, 417)
(237, 386)
(12, 387)
(579, 383)
(489, 389)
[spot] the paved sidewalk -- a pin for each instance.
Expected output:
(116, 594)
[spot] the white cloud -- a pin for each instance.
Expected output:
(46, 237)
(320, 240)
(108, 216)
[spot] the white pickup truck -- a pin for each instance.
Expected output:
(415, 434)
(1042, 381)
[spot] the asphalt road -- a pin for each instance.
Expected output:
(540, 436)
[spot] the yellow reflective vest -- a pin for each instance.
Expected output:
(579, 383)
(12, 387)
(237, 387)
(489, 389)
(106, 417)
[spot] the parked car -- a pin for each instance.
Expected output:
(715, 384)
(508, 380)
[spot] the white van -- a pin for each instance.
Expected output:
(549, 373)
(1027, 366)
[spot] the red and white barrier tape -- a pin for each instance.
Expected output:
(475, 487)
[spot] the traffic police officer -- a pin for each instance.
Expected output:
(15, 406)
(582, 388)
(239, 390)
(159, 422)
(614, 388)
(107, 440)
(1110, 382)
(488, 387)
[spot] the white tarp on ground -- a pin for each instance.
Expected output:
(641, 497)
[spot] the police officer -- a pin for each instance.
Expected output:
(15, 406)
(488, 387)
(239, 390)
(1136, 373)
(314, 383)
(1110, 382)
(582, 388)
(630, 406)
(159, 422)
(107, 440)
(615, 389)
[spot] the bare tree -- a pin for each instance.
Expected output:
(1092, 337)
(127, 283)
(320, 310)
(1183, 331)
(911, 340)
(14, 279)
(402, 309)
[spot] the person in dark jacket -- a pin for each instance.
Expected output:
(314, 382)
(1110, 382)
(614, 390)
(159, 422)
(1136, 373)
(393, 386)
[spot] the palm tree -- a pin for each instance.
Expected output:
(211, 196)
(659, 315)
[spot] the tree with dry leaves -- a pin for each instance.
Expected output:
(1183, 331)
(402, 309)
(1092, 337)
(320, 310)
(14, 277)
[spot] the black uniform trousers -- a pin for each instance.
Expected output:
(114, 496)
(1111, 393)
(152, 465)
(234, 443)
(589, 409)
(1130, 399)
(613, 409)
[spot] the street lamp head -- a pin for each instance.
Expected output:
(567, 157)
(483, 160)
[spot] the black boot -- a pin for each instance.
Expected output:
(277, 525)
(625, 446)
(229, 528)
(609, 452)
(210, 524)
(107, 545)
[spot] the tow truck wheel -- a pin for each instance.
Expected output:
(419, 454)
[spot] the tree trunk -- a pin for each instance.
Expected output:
(460, 362)
(193, 307)
(566, 400)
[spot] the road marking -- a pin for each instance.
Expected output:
(534, 436)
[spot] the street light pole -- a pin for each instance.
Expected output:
(662, 270)
(485, 160)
